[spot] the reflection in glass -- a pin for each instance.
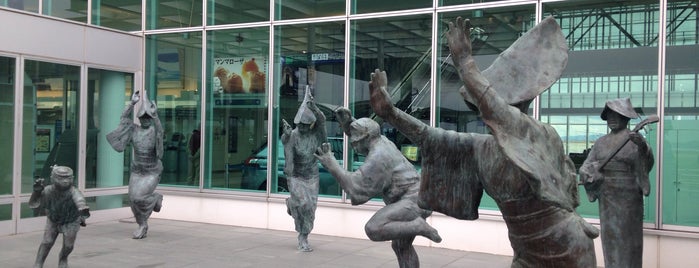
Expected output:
(117, 14)
(105, 89)
(612, 48)
(311, 55)
(5, 212)
(369, 6)
(166, 14)
(301, 9)
(26, 5)
(175, 59)
(75, 10)
(681, 121)
(402, 47)
(236, 117)
(236, 11)
(50, 125)
(7, 119)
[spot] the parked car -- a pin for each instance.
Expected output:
(255, 170)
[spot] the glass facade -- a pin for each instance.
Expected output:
(174, 60)
(251, 61)
(117, 14)
(7, 115)
(50, 125)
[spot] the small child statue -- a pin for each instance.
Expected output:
(66, 211)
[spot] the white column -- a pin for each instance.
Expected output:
(110, 168)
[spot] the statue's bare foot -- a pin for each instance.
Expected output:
(63, 264)
(303, 243)
(158, 204)
(141, 232)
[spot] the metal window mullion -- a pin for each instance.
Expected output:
(436, 67)
(346, 88)
(202, 112)
(661, 112)
(82, 128)
(270, 103)
(17, 145)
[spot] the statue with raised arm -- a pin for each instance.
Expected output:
(522, 164)
(146, 165)
(386, 173)
(66, 211)
(301, 166)
(616, 173)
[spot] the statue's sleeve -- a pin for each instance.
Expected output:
(159, 135)
(450, 177)
(587, 171)
(289, 155)
(643, 164)
(121, 136)
(374, 173)
(78, 199)
(411, 127)
(320, 124)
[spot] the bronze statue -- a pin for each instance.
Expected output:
(65, 210)
(522, 164)
(386, 173)
(301, 166)
(616, 173)
(146, 165)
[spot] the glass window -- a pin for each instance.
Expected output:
(401, 46)
(612, 55)
(107, 201)
(681, 122)
(311, 56)
(108, 92)
(117, 14)
(26, 5)
(165, 14)
(494, 30)
(301, 9)
(236, 118)
(50, 125)
(369, 6)
(462, 2)
(5, 212)
(7, 119)
(75, 10)
(236, 11)
(175, 62)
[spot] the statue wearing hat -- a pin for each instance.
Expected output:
(386, 173)
(522, 164)
(301, 166)
(616, 173)
(66, 211)
(146, 165)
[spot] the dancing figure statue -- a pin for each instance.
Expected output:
(301, 166)
(66, 211)
(146, 165)
(521, 164)
(616, 173)
(386, 173)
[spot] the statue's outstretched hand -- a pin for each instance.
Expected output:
(286, 128)
(38, 185)
(135, 97)
(459, 38)
(324, 154)
(380, 100)
(343, 115)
